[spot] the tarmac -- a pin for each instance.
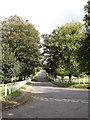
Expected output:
(49, 101)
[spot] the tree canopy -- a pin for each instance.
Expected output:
(60, 49)
(84, 51)
(20, 47)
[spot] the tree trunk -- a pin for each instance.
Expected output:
(20, 77)
(62, 77)
(70, 78)
(55, 76)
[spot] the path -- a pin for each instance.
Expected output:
(50, 101)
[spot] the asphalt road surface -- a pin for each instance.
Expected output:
(50, 101)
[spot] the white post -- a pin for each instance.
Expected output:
(12, 88)
(9, 88)
(15, 86)
(84, 81)
(79, 81)
(29, 79)
(5, 89)
(18, 85)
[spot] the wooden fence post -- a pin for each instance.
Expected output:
(9, 88)
(12, 88)
(5, 89)
(84, 81)
(15, 87)
(29, 79)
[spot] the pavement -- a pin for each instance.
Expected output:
(49, 101)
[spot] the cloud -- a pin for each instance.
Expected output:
(46, 15)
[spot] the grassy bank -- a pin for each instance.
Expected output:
(70, 85)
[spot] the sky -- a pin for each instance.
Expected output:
(45, 15)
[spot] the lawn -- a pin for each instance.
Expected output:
(71, 85)
(76, 80)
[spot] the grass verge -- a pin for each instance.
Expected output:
(68, 85)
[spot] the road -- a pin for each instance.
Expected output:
(49, 101)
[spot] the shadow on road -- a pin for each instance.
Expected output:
(43, 87)
(51, 101)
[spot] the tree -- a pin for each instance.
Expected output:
(60, 49)
(23, 42)
(1, 72)
(84, 51)
(50, 54)
(70, 36)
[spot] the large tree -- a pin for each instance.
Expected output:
(70, 36)
(60, 49)
(1, 72)
(50, 54)
(84, 51)
(23, 41)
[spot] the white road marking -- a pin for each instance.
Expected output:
(10, 114)
(61, 100)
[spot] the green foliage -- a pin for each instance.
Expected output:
(71, 35)
(60, 49)
(20, 47)
(84, 51)
(10, 66)
(87, 16)
(1, 72)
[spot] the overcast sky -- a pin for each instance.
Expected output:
(46, 15)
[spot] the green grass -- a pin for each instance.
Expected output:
(14, 94)
(77, 81)
(70, 85)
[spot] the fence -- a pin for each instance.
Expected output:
(9, 88)
(73, 80)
